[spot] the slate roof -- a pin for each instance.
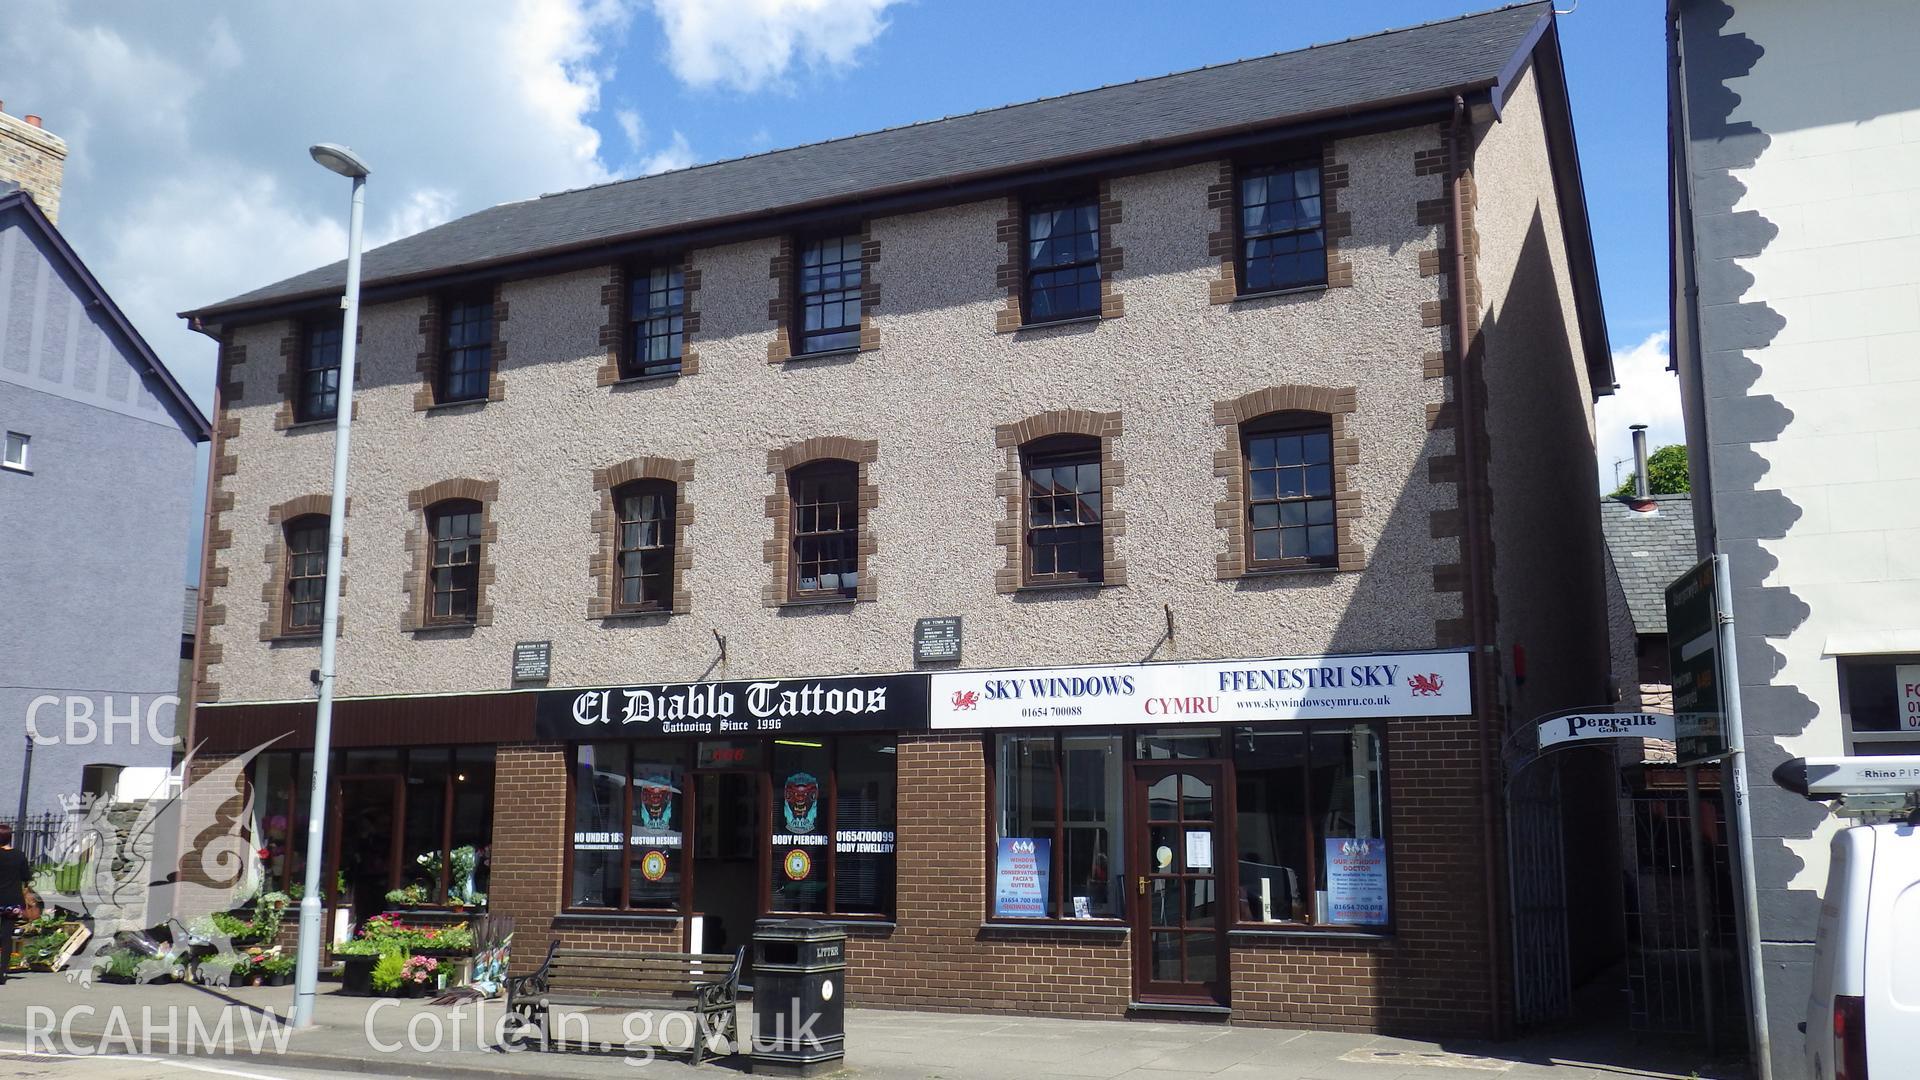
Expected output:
(1421, 63)
(1649, 550)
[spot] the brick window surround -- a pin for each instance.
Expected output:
(1223, 243)
(419, 543)
(778, 551)
(1009, 531)
(274, 593)
(1011, 232)
(606, 530)
(426, 363)
(1230, 513)
(784, 267)
(614, 332)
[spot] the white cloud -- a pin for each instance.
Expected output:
(675, 155)
(749, 44)
(1649, 394)
(633, 127)
(187, 174)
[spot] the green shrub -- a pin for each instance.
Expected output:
(389, 972)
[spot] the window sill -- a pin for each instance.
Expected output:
(310, 425)
(1063, 586)
(1288, 571)
(848, 922)
(450, 406)
(624, 918)
(1059, 926)
(295, 636)
(851, 350)
(636, 380)
(1316, 933)
(21, 469)
(824, 601)
(1296, 290)
(441, 628)
(621, 616)
(1077, 320)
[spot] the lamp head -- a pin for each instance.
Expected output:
(339, 159)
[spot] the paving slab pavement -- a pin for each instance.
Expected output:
(376, 1036)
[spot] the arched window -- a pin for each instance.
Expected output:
(306, 542)
(645, 556)
(1063, 510)
(453, 583)
(1290, 519)
(826, 530)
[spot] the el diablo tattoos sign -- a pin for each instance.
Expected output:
(850, 703)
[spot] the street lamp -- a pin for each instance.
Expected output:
(341, 160)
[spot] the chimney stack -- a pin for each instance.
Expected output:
(35, 159)
(1642, 486)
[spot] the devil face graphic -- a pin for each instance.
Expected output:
(801, 803)
(653, 805)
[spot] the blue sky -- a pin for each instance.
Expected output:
(188, 180)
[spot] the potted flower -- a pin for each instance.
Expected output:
(357, 958)
(118, 966)
(389, 977)
(423, 972)
(277, 970)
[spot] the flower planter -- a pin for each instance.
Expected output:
(356, 975)
(278, 980)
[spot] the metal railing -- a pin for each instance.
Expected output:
(39, 836)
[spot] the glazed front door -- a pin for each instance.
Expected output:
(1179, 910)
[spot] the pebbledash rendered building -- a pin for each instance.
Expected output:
(1060, 543)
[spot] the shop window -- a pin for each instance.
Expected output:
(802, 825)
(1310, 826)
(599, 813)
(1880, 704)
(1283, 242)
(1063, 508)
(280, 780)
(1289, 461)
(1058, 851)
(866, 797)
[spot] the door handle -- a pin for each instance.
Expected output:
(1142, 879)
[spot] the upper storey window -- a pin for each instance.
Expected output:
(1290, 506)
(1063, 260)
(318, 397)
(466, 351)
(306, 539)
(826, 530)
(1063, 506)
(454, 584)
(1283, 240)
(656, 327)
(828, 291)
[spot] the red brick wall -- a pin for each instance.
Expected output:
(1429, 977)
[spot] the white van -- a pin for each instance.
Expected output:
(1863, 1021)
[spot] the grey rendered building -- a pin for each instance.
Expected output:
(1795, 130)
(96, 505)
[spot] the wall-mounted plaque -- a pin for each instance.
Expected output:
(532, 661)
(936, 639)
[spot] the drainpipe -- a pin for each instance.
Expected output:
(1474, 540)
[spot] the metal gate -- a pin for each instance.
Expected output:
(1542, 976)
(1668, 991)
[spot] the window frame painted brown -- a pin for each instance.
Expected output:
(668, 495)
(642, 316)
(1088, 201)
(852, 253)
(848, 530)
(475, 512)
(1280, 425)
(1052, 452)
(307, 524)
(456, 304)
(1245, 171)
(311, 335)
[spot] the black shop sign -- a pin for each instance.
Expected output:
(732, 709)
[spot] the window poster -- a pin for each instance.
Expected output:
(655, 815)
(1020, 878)
(1356, 881)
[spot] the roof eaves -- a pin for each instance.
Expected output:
(196, 420)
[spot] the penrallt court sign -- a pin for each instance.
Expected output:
(1218, 691)
(754, 707)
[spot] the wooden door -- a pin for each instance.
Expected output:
(1181, 904)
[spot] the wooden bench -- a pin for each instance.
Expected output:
(704, 984)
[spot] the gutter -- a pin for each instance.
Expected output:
(1474, 540)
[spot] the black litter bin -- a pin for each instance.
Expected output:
(799, 998)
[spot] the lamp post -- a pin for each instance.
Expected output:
(341, 160)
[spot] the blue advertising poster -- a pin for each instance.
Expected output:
(1020, 878)
(1356, 882)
